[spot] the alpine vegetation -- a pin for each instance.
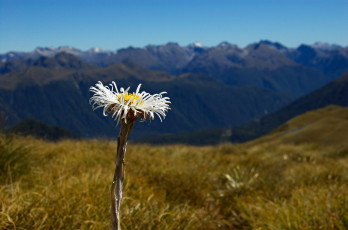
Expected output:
(125, 107)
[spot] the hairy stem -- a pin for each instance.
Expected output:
(116, 187)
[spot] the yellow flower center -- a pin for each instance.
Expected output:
(128, 96)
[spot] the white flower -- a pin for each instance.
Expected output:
(121, 103)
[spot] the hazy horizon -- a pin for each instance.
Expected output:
(181, 45)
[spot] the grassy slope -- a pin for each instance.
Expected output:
(266, 185)
(326, 126)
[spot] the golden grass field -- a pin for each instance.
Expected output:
(269, 184)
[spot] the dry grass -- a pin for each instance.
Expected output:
(65, 185)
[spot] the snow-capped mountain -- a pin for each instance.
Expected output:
(51, 51)
(325, 46)
(90, 55)
(196, 45)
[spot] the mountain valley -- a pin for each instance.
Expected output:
(211, 88)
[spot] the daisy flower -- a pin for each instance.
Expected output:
(126, 107)
(123, 105)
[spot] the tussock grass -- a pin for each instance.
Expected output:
(65, 185)
(14, 160)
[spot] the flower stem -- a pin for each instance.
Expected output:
(116, 187)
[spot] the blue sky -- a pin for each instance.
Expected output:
(83, 24)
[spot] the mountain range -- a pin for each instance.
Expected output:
(210, 87)
(265, 64)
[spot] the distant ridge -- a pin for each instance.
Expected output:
(38, 129)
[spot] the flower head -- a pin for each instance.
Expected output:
(124, 105)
